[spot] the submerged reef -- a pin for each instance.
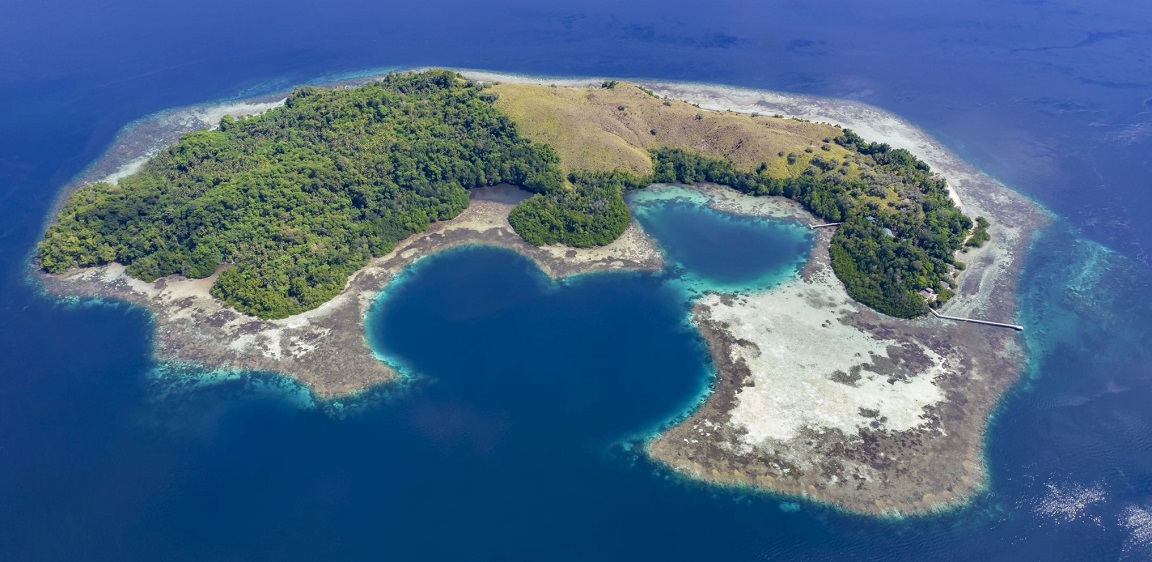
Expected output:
(815, 394)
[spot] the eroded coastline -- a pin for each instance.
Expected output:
(818, 396)
(325, 348)
(875, 415)
(851, 437)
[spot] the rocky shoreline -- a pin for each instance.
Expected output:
(843, 453)
(888, 417)
(326, 348)
(873, 469)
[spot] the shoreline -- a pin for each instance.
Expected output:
(706, 444)
(327, 350)
(994, 362)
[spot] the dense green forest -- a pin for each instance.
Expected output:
(593, 213)
(297, 199)
(900, 229)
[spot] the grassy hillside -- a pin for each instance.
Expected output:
(900, 228)
(590, 131)
(300, 197)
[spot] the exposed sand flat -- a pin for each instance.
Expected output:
(818, 396)
(824, 373)
(326, 348)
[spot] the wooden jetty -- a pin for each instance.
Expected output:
(827, 224)
(975, 321)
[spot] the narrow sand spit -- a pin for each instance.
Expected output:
(814, 394)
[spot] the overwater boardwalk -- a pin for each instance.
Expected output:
(975, 321)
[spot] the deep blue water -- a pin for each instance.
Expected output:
(104, 455)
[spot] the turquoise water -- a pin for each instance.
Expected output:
(520, 425)
(102, 457)
(718, 251)
(502, 305)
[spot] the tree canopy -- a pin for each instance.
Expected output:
(295, 200)
(300, 197)
(593, 213)
(900, 228)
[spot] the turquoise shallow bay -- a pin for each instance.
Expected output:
(525, 402)
(717, 251)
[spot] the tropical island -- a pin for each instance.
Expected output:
(260, 243)
(297, 199)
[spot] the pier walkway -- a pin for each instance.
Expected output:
(975, 321)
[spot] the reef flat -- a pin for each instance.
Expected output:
(815, 394)
(818, 396)
(325, 348)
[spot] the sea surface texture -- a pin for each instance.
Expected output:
(516, 433)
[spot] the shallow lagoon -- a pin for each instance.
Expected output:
(719, 251)
(96, 462)
(517, 433)
(528, 399)
(487, 320)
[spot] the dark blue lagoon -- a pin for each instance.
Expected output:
(542, 366)
(595, 359)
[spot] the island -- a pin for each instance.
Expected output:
(260, 235)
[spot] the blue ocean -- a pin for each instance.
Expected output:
(516, 433)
